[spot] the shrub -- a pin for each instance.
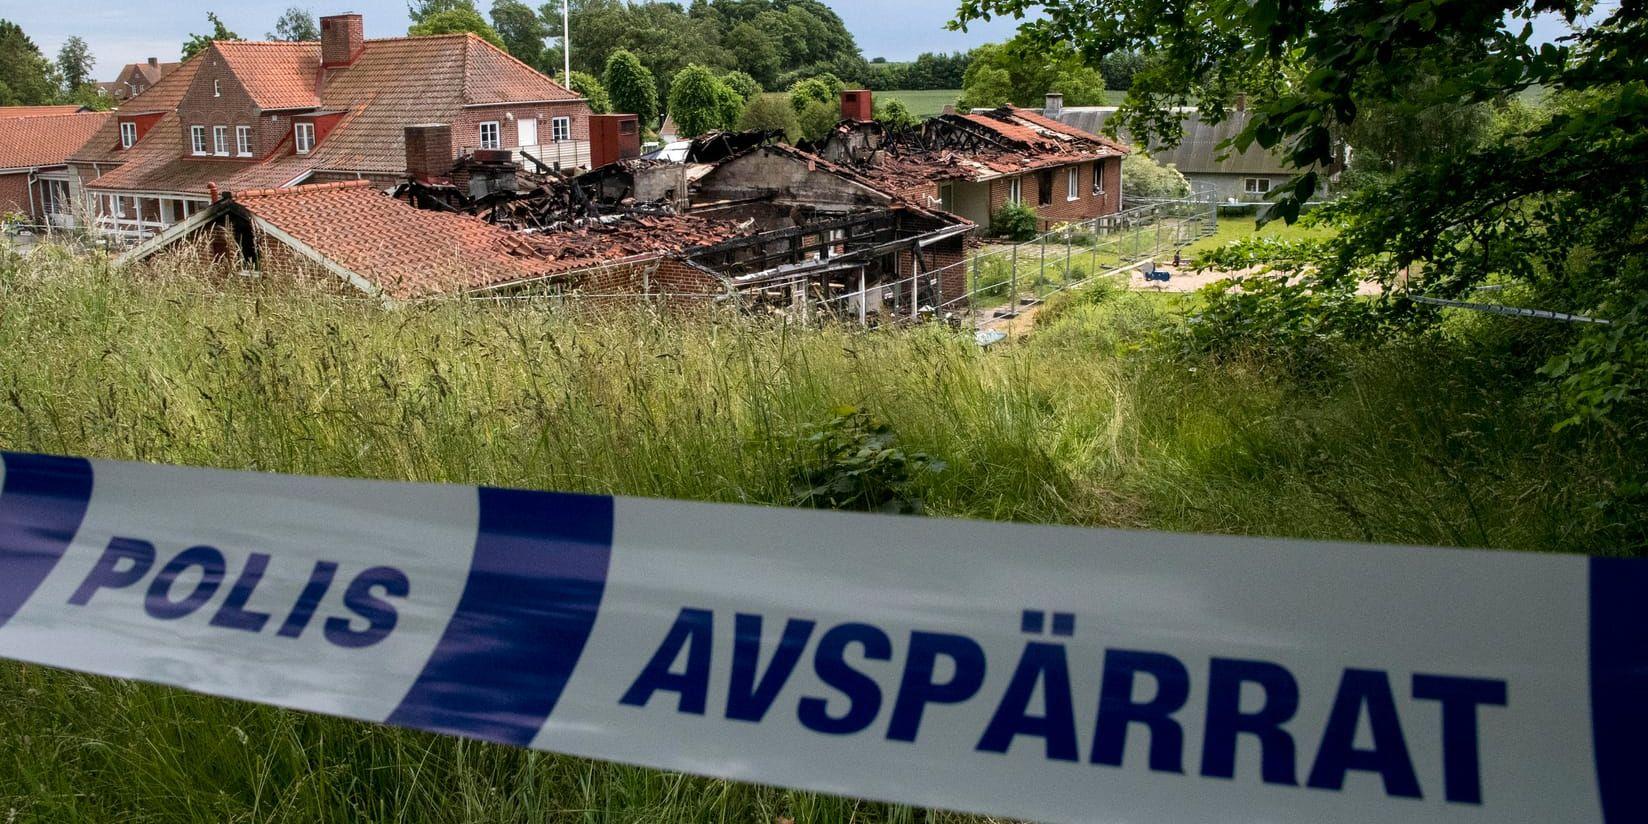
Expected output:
(746, 86)
(1014, 221)
(587, 86)
(771, 113)
(632, 87)
(856, 464)
(1142, 176)
(817, 119)
(894, 114)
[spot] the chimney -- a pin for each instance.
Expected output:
(428, 151)
(342, 37)
(1054, 105)
(212, 190)
(154, 62)
(857, 105)
(613, 137)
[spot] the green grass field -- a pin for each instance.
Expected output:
(925, 102)
(1236, 228)
(1093, 419)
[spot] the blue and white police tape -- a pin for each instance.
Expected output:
(1040, 672)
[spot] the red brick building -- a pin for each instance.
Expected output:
(35, 143)
(972, 164)
(136, 78)
(249, 115)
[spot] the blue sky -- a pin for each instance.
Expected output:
(122, 32)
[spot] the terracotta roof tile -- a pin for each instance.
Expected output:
(104, 145)
(276, 75)
(7, 112)
(46, 140)
(408, 253)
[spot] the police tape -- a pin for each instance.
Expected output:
(1048, 673)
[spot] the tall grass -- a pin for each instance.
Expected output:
(1085, 422)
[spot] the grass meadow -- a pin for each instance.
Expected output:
(1092, 420)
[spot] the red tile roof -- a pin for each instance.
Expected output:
(408, 253)
(35, 111)
(394, 82)
(46, 140)
(104, 145)
(275, 75)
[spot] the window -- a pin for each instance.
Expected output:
(243, 140)
(303, 135)
(220, 141)
(1257, 185)
(1098, 178)
(197, 138)
(1072, 183)
(1015, 190)
(489, 135)
(947, 196)
(1044, 192)
(128, 135)
(217, 88)
(560, 128)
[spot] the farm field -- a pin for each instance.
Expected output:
(1096, 417)
(927, 102)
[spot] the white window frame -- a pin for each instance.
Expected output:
(1015, 190)
(243, 141)
(1256, 185)
(128, 134)
(1072, 183)
(197, 140)
(303, 137)
(217, 88)
(220, 141)
(560, 128)
(497, 135)
(1098, 179)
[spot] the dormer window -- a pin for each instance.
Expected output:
(197, 139)
(243, 141)
(303, 137)
(489, 135)
(128, 134)
(220, 141)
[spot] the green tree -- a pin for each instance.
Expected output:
(771, 113)
(696, 101)
(456, 21)
(632, 87)
(986, 88)
(590, 88)
(1142, 176)
(1022, 73)
(1118, 69)
(25, 75)
(816, 119)
(809, 91)
(74, 66)
(198, 42)
(421, 10)
(521, 30)
(745, 85)
(892, 112)
(295, 25)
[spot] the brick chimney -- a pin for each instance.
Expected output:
(1054, 104)
(857, 105)
(154, 62)
(342, 36)
(428, 151)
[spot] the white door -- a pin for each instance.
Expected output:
(527, 129)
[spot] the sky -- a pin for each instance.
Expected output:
(121, 32)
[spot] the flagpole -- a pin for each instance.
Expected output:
(566, 45)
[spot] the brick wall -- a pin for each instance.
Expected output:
(16, 197)
(652, 276)
(466, 127)
(226, 104)
(1062, 209)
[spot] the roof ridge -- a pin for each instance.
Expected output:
(306, 188)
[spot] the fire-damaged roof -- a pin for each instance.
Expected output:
(390, 249)
(393, 82)
(977, 147)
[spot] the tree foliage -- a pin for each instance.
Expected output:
(894, 113)
(1022, 72)
(809, 91)
(700, 102)
(1142, 176)
(457, 21)
(295, 25)
(587, 86)
(74, 66)
(520, 29)
(816, 119)
(771, 113)
(1553, 204)
(25, 75)
(746, 86)
(631, 87)
(928, 71)
(421, 10)
(198, 42)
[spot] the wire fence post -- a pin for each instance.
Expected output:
(1067, 241)
(1041, 272)
(1013, 296)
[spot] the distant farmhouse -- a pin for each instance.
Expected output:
(1230, 175)
(136, 78)
(250, 115)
